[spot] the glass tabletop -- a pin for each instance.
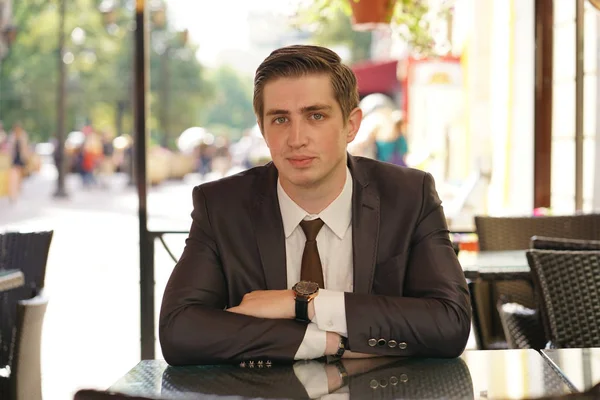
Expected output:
(476, 374)
(581, 367)
(11, 279)
(494, 265)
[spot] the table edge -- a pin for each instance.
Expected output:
(559, 371)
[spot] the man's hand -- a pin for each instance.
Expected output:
(272, 304)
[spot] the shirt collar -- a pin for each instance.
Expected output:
(337, 216)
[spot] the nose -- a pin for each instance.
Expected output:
(297, 136)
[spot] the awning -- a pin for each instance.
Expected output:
(376, 77)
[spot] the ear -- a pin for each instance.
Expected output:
(354, 120)
(262, 131)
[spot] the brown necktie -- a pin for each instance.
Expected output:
(311, 262)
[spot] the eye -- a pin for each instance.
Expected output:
(317, 116)
(280, 120)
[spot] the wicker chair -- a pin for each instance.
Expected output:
(569, 285)
(550, 243)
(515, 233)
(21, 379)
(522, 326)
(27, 252)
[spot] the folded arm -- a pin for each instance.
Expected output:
(433, 316)
(193, 326)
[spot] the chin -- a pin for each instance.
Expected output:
(302, 178)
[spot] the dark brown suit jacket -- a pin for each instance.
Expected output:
(408, 284)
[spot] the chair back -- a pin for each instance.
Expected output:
(549, 243)
(29, 253)
(514, 233)
(568, 283)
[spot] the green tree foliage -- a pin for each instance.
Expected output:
(28, 89)
(99, 72)
(179, 87)
(231, 106)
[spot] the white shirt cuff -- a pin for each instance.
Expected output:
(342, 394)
(313, 345)
(313, 377)
(330, 312)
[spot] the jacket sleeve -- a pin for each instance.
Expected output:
(433, 317)
(193, 326)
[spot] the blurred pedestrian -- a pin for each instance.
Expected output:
(18, 150)
(106, 167)
(3, 136)
(91, 154)
(391, 144)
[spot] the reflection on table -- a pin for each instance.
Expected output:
(11, 279)
(581, 367)
(476, 374)
(494, 265)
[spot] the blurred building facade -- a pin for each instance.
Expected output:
(495, 41)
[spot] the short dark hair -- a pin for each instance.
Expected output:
(299, 60)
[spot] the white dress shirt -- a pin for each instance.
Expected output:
(334, 242)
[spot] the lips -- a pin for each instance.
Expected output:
(301, 161)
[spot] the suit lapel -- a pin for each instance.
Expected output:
(365, 228)
(268, 228)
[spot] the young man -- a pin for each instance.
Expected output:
(317, 253)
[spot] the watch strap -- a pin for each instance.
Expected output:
(302, 310)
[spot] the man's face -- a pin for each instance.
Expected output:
(305, 130)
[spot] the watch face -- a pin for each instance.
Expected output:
(306, 288)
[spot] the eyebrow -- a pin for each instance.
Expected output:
(315, 107)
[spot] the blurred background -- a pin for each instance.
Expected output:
(497, 99)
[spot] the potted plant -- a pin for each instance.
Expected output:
(369, 14)
(410, 18)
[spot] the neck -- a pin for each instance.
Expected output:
(319, 196)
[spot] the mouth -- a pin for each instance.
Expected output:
(301, 161)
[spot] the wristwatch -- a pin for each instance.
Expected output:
(305, 292)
